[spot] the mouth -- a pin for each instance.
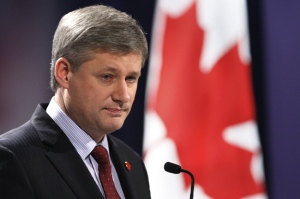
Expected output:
(116, 111)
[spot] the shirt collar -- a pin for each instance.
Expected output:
(82, 142)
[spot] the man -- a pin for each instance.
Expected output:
(97, 56)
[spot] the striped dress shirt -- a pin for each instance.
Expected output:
(83, 144)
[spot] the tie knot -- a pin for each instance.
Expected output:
(100, 154)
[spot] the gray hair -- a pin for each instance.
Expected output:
(85, 31)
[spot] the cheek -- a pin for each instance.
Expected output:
(82, 96)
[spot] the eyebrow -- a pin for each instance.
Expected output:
(113, 69)
(138, 74)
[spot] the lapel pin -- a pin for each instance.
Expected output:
(128, 166)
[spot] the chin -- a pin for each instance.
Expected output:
(115, 127)
(110, 125)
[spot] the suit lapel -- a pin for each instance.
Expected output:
(74, 171)
(64, 157)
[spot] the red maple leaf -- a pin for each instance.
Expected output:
(196, 108)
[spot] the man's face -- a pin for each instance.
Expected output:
(101, 92)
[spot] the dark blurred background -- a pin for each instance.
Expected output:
(26, 31)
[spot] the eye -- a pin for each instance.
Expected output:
(107, 77)
(131, 78)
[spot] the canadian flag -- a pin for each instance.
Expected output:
(200, 110)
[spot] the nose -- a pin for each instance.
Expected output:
(121, 93)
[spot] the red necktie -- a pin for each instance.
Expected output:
(101, 156)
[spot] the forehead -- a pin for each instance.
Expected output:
(118, 52)
(115, 62)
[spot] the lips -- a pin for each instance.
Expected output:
(115, 110)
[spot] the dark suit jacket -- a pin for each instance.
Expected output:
(38, 161)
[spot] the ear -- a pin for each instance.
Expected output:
(62, 69)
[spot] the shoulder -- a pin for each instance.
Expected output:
(18, 136)
(30, 133)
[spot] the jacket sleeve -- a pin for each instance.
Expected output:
(14, 183)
